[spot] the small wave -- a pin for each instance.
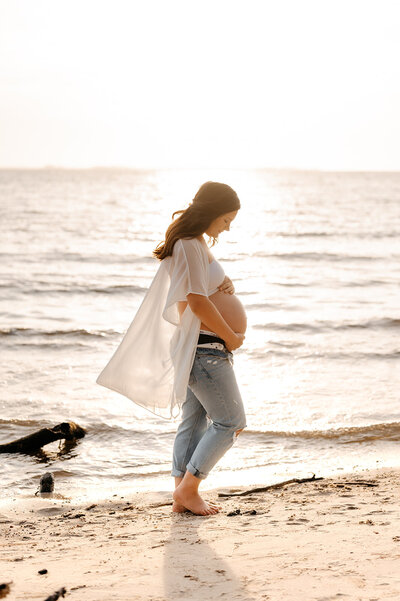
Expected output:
(315, 256)
(353, 356)
(62, 346)
(79, 258)
(353, 434)
(103, 429)
(296, 284)
(323, 326)
(77, 289)
(341, 356)
(362, 235)
(26, 423)
(144, 475)
(286, 344)
(302, 234)
(76, 332)
(366, 283)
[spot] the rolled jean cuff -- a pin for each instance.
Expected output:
(177, 473)
(190, 468)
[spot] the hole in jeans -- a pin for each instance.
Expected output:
(236, 434)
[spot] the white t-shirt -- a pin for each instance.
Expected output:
(152, 364)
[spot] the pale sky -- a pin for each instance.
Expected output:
(311, 84)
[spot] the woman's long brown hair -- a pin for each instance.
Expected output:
(212, 200)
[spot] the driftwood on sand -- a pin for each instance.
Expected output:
(271, 486)
(297, 480)
(31, 443)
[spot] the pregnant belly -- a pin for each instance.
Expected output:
(231, 310)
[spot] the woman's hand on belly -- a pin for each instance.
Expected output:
(227, 286)
(231, 346)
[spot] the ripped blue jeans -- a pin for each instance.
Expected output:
(211, 414)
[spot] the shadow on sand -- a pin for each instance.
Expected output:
(191, 566)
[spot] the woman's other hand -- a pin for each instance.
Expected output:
(227, 286)
(236, 342)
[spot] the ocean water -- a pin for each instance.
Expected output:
(314, 257)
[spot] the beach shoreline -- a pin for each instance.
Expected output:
(322, 539)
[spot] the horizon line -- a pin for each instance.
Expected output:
(132, 168)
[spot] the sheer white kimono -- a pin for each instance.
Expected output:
(152, 364)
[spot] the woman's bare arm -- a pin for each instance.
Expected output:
(207, 312)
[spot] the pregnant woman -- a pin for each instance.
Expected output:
(178, 349)
(212, 389)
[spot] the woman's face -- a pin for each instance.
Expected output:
(220, 224)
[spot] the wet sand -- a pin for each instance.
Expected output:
(320, 540)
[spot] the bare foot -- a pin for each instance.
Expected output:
(178, 508)
(193, 501)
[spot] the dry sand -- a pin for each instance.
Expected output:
(320, 540)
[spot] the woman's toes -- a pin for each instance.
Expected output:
(212, 504)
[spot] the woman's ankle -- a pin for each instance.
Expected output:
(190, 481)
(178, 480)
